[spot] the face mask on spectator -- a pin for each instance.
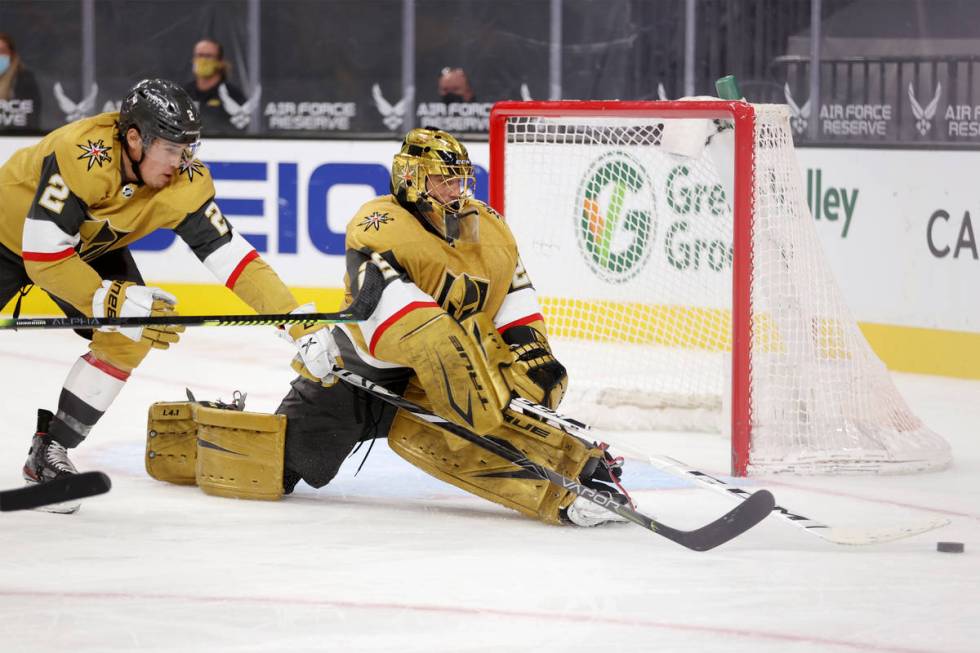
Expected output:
(206, 66)
(4, 63)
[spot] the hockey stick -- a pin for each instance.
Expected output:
(747, 514)
(847, 536)
(66, 488)
(360, 309)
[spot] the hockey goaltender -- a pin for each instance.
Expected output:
(457, 329)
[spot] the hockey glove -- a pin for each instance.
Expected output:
(316, 345)
(126, 299)
(535, 374)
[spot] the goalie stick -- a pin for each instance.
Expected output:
(359, 310)
(747, 514)
(846, 536)
(66, 488)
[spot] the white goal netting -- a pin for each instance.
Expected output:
(626, 229)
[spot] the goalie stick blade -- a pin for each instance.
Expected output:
(866, 536)
(68, 488)
(848, 536)
(729, 526)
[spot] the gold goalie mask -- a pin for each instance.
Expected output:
(433, 173)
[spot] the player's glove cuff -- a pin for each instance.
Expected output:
(315, 343)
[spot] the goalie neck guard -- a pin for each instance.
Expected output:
(433, 177)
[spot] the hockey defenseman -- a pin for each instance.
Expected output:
(70, 206)
(458, 328)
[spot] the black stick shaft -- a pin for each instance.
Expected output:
(359, 310)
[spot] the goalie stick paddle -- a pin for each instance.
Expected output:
(730, 525)
(66, 488)
(359, 310)
(836, 535)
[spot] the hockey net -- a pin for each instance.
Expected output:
(657, 235)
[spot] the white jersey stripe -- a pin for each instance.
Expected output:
(365, 355)
(45, 237)
(517, 305)
(224, 261)
(396, 296)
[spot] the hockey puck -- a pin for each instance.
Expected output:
(949, 547)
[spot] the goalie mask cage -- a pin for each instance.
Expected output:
(685, 287)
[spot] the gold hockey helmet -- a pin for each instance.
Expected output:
(432, 171)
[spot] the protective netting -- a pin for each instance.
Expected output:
(626, 230)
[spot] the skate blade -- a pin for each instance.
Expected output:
(66, 508)
(63, 508)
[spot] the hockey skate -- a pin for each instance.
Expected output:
(48, 460)
(603, 475)
(585, 513)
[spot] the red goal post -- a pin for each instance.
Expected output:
(537, 157)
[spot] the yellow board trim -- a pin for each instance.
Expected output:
(925, 351)
(904, 349)
(194, 299)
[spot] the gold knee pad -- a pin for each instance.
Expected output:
(225, 452)
(467, 466)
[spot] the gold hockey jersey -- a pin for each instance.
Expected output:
(63, 202)
(460, 278)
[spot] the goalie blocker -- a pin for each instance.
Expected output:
(461, 371)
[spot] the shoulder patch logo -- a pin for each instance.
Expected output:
(190, 167)
(375, 220)
(96, 153)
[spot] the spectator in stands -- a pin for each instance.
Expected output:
(20, 99)
(220, 101)
(454, 86)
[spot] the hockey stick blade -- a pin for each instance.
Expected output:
(730, 525)
(835, 535)
(67, 488)
(360, 309)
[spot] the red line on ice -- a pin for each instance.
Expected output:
(577, 618)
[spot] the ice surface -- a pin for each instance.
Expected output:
(393, 560)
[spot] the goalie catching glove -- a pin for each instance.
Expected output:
(535, 374)
(126, 299)
(316, 345)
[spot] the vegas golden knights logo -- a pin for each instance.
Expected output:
(463, 295)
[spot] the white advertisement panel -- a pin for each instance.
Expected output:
(898, 229)
(897, 226)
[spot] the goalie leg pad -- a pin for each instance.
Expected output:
(239, 454)
(460, 463)
(171, 442)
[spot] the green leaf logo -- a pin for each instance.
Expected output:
(615, 223)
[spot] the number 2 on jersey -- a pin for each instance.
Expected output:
(213, 213)
(55, 193)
